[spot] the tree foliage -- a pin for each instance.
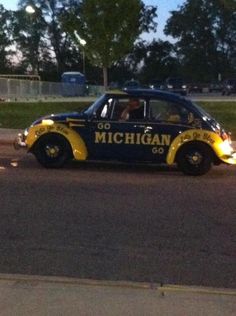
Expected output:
(5, 39)
(205, 31)
(158, 60)
(204, 44)
(40, 38)
(109, 28)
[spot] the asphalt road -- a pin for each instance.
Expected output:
(117, 222)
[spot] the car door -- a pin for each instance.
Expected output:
(166, 120)
(112, 138)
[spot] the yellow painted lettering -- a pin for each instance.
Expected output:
(118, 138)
(129, 138)
(100, 137)
(146, 139)
(138, 137)
(156, 140)
(110, 138)
(165, 140)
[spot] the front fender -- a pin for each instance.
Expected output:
(78, 146)
(222, 149)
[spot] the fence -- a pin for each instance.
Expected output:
(15, 89)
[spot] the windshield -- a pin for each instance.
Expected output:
(207, 117)
(93, 107)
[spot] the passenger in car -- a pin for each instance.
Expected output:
(133, 111)
(173, 115)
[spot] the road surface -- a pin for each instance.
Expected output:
(117, 222)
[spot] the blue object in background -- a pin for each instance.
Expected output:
(73, 83)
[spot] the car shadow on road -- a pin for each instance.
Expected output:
(101, 166)
(29, 162)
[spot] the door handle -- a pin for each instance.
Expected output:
(147, 129)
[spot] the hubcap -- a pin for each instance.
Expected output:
(52, 151)
(195, 158)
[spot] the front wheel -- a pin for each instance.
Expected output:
(52, 150)
(194, 159)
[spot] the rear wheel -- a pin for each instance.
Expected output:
(194, 159)
(52, 151)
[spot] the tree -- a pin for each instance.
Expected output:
(206, 37)
(28, 32)
(40, 38)
(158, 60)
(109, 28)
(5, 39)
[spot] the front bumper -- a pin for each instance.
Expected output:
(19, 142)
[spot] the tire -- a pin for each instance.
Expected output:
(194, 159)
(52, 151)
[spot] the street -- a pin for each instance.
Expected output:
(117, 222)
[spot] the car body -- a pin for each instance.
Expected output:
(176, 85)
(164, 128)
(229, 87)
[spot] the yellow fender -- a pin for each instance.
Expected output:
(78, 146)
(222, 149)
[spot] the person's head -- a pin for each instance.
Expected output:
(134, 103)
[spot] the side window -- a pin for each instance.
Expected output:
(122, 109)
(118, 109)
(168, 112)
(132, 109)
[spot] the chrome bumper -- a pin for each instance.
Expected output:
(19, 142)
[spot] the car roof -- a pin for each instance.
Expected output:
(147, 93)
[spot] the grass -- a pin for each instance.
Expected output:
(21, 115)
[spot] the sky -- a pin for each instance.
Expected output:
(164, 7)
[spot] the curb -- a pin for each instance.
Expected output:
(31, 279)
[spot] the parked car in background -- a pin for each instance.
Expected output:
(195, 87)
(215, 87)
(229, 86)
(156, 84)
(175, 85)
(131, 84)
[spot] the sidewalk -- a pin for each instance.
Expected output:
(39, 296)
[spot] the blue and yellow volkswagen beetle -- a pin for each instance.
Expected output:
(138, 125)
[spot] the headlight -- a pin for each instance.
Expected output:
(226, 148)
(47, 122)
(184, 86)
(169, 86)
(26, 132)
